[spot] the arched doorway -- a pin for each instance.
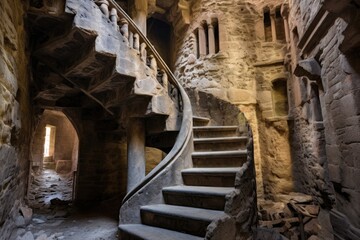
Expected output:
(54, 158)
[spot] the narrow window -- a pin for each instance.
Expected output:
(206, 31)
(49, 143)
(316, 104)
(267, 25)
(197, 40)
(215, 23)
(280, 99)
(279, 24)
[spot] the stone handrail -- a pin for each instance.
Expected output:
(137, 40)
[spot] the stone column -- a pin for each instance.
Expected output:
(285, 15)
(139, 14)
(135, 152)
(273, 26)
(202, 41)
(211, 38)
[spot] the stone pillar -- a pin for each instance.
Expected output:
(139, 14)
(202, 41)
(135, 152)
(273, 27)
(285, 15)
(286, 29)
(211, 39)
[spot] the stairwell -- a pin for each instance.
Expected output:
(188, 209)
(95, 59)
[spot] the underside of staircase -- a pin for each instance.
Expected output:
(93, 60)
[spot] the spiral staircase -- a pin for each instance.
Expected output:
(92, 56)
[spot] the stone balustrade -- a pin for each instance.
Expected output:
(135, 40)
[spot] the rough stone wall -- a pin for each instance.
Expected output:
(327, 151)
(101, 165)
(15, 120)
(241, 73)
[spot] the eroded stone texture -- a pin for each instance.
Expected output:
(325, 139)
(14, 114)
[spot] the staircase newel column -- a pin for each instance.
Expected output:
(135, 152)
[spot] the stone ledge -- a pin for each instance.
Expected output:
(278, 118)
(279, 61)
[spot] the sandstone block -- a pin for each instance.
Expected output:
(236, 95)
(63, 166)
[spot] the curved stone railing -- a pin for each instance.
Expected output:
(148, 54)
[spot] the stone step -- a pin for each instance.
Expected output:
(49, 165)
(189, 220)
(195, 196)
(215, 131)
(200, 121)
(61, 51)
(220, 144)
(215, 177)
(95, 65)
(145, 232)
(219, 158)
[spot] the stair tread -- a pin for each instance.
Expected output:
(200, 190)
(199, 214)
(219, 153)
(201, 118)
(211, 170)
(214, 128)
(219, 139)
(155, 233)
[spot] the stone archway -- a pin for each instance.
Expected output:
(54, 159)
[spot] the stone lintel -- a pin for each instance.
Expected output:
(279, 61)
(317, 29)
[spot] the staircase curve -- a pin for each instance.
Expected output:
(120, 71)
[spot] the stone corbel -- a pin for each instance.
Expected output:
(180, 14)
(153, 8)
(184, 8)
(309, 68)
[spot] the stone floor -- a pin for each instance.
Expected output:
(48, 185)
(54, 217)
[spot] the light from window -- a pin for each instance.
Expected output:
(47, 142)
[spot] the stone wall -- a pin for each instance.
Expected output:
(325, 105)
(242, 73)
(15, 115)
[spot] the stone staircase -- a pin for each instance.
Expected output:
(86, 60)
(94, 59)
(188, 209)
(49, 163)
